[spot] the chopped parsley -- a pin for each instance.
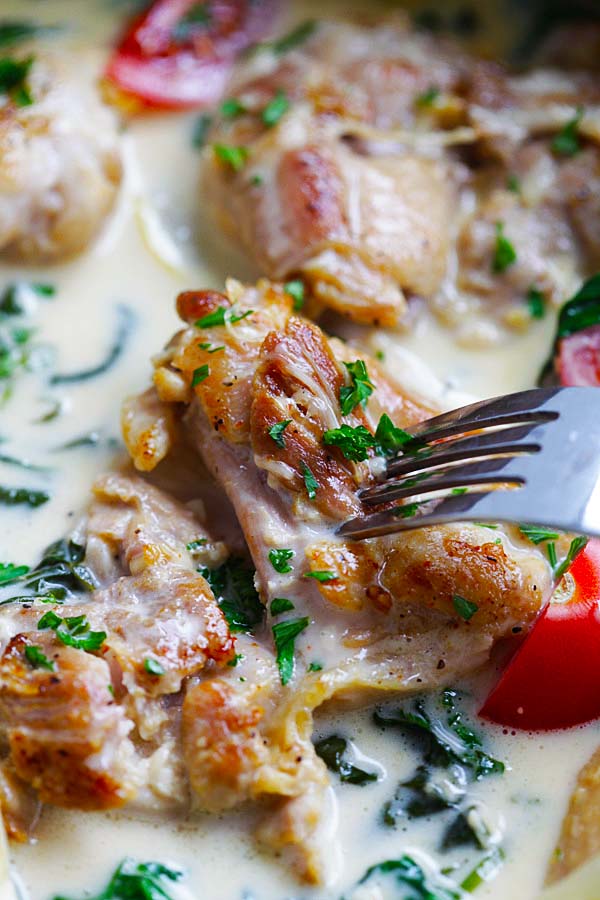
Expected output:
(505, 254)
(352, 442)
(321, 575)
(428, 97)
(280, 605)
(465, 608)
(236, 660)
(279, 559)
(332, 751)
(310, 482)
(276, 432)
(222, 315)
(12, 496)
(200, 130)
(194, 546)
(73, 631)
(37, 659)
(153, 667)
(536, 303)
(9, 572)
(232, 107)
(275, 109)
(284, 635)
(13, 301)
(234, 157)
(211, 348)
(200, 374)
(233, 585)
(566, 142)
(513, 184)
(315, 667)
(139, 881)
(360, 389)
(295, 288)
(537, 534)
(13, 79)
(389, 438)
(408, 510)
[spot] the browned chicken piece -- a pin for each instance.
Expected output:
(60, 164)
(579, 839)
(326, 194)
(289, 492)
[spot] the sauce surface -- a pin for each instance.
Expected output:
(154, 246)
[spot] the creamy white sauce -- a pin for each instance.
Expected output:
(155, 245)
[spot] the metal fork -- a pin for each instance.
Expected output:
(531, 457)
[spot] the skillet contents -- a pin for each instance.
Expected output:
(204, 689)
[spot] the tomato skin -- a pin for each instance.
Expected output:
(553, 680)
(578, 360)
(165, 71)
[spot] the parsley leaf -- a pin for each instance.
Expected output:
(359, 391)
(10, 572)
(566, 142)
(276, 432)
(536, 303)
(73, 631)
(279, 560)
(13, 79)
(222, 315)
(315, 667)
(389, 438)
(465, 608)
(139, 881)
(275, 109)
(37, 659)
(352, 442)
(234, 157)
(505, 254)
(284, 635)
(428, 97)
(311, 483)
(513, 184)
(233, 585)
(321, 575)
(232, 107)
(332, 750)
(295, 289)
(194, 546)
(200, 374)
(280, 605)
(537, 534)
(153, 667)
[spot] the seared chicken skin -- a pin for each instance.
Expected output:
(60, 165)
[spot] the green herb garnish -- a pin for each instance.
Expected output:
(200, 374)
(139, 881)
(13, 79)
(11, 496)
(275, 109)
(566, 142)
(194, 546)
(293, 38)
(537, 534)
(37, 659)
(513, 184)
(280, 605)
(315, 667)
(465, 608)
(73, 631)
(125, 324)
(284, 635)
(279, 559)
(296, 290)
(389, 438)
(409, 874)
(321, 575)
(359, 391)
(536, 303)
(153, 667)
(276, 432)
(232, 107)
(505, 254)
(332, 751)
(352, 442)
(577, 544)
(10, 572)
(310, 482)
(222, 315)
(428, 97)
(233, 585)
(234, 157)
(13, 31)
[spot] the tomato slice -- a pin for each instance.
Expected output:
(178, 54)
(553, 680)
(579, 358)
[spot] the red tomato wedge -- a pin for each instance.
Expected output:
(553, 680)
(578, 359)
(178, 54)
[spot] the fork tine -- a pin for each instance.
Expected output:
(519, 408)
(506, 442)
(471, 473)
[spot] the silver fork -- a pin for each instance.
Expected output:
(531, 457)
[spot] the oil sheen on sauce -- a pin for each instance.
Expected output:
(153, 248)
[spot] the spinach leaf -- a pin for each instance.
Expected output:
(12, 31)
(11, 496)
(125, 322)
(59, 574)
(233, 585)
(139, 881)
(332, 750)
(408, 873)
